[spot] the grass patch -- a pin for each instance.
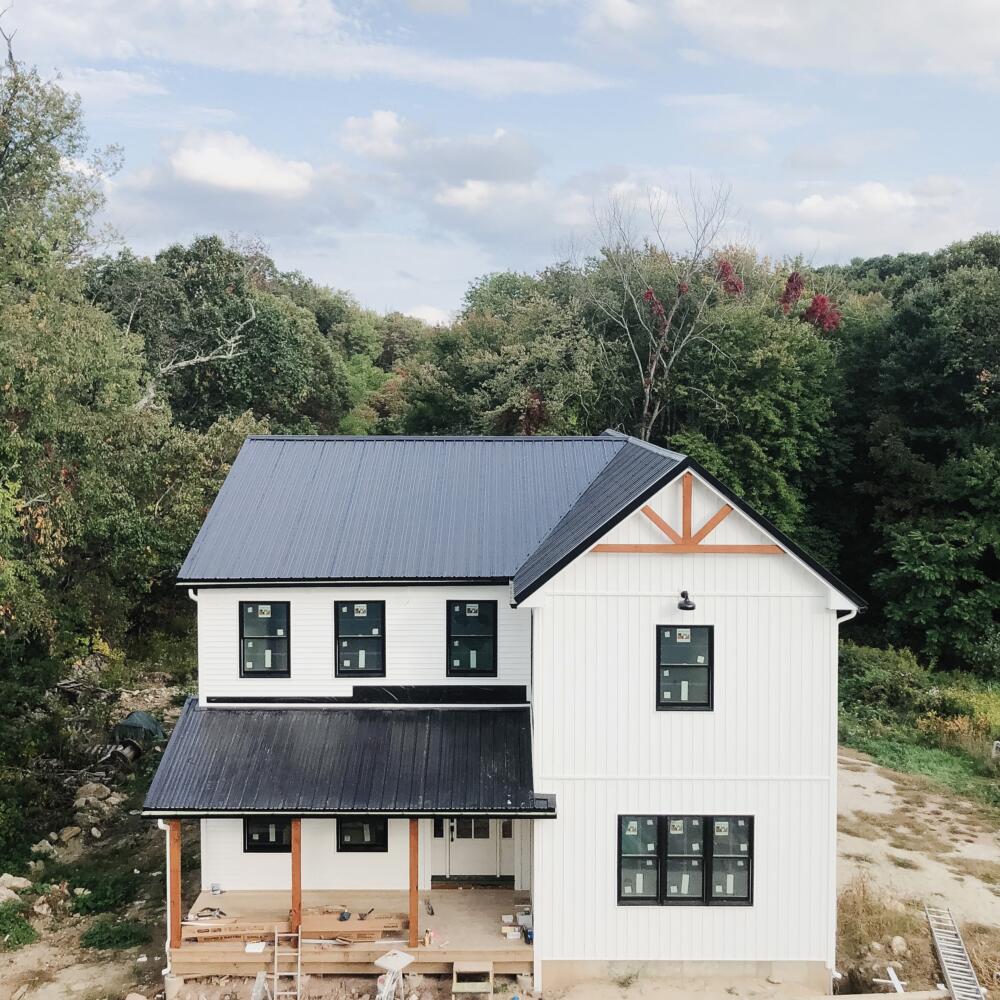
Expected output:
(985, 871)
(982, 942)
(15, 931)
(903, 830)
(904, 863)
(106, 933)
(861, 859)
(113, 891)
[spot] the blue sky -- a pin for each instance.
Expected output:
(399, 150)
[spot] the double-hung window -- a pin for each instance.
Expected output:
(472, 638)
(684, 667)
(267, 834)
(676, 860)
(363, 833)
(264, 639)
(360, 638)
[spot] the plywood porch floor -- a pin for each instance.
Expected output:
(465, 926)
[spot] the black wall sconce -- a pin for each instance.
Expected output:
(685, 603)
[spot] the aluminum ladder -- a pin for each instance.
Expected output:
(285, 952)
(959, 976)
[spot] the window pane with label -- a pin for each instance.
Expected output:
(363, 833)
(639, 878)
(264, 639)
(684, 666)
(267, 834)
(360, 638)
(472, 638)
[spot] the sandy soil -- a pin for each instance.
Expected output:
(916, 844)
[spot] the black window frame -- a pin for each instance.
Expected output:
(377, 846)
(680, 706)
(339, 671)
(459, 671)
(267, 674)
(255, 848)
(663, 898)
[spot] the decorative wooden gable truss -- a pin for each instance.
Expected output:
(687, 541)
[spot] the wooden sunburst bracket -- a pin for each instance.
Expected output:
(686, 541)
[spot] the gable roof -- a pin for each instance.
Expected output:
(484, 509)
(390, 508)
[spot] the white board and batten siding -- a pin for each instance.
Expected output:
(767, 750)
(415, 639)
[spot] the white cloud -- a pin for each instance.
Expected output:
(950, 37)
(231, 162)
(875, 217)
(430, 314)
(377, 136)
(602, 17)
(451, 7)
(286, 37)
(108, 86)
(739, 113)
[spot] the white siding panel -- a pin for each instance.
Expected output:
(323, 866)
(415, 639)
(767, 750)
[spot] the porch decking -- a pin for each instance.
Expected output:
(465, 926)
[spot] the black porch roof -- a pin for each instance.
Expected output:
(301, 761)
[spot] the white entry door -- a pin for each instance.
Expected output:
(471, 847)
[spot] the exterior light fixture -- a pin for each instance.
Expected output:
(685, 603)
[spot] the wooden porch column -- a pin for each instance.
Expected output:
(174, 881)
(414, 879)
(295, 917)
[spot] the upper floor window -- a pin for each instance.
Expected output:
(264, 639)
(267, 834)
(671, 860)
(363, 833)
(684, 666)
(472, 638)
(360, 638)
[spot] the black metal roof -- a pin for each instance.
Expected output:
(635, 472)
(396, 508)
(300, 761)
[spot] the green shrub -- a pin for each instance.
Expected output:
(111, 891)
(884, 684)
(15, 931)
(106, 933)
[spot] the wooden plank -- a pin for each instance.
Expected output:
(687, 483)
(174, 880)
(712, 523)
(414, 880)
(295, 915)
(661, 524)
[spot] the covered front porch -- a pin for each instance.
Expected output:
(359, 831)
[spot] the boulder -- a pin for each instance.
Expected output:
(898, 945)
(93, 790)
(6, 895)
(36, 867)
(42, 908)
(67, 833)
(16, 882)
(95, 833)
(43, 847)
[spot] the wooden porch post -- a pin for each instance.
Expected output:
(295, 917)
(174, 881)
(414, 879)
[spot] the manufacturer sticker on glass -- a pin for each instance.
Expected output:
(684, 635)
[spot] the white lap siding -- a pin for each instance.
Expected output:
(223, 859)
(767, 750)
(415, 639)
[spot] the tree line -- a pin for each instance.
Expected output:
(855, 406)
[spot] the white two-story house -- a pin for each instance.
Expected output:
(577, 677)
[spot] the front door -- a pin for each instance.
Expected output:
(469, 847)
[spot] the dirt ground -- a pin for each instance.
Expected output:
(902, 841)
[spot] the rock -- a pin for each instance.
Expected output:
(135, 996)
(67, 833)
(142, 958)
(53, 836)
(42, 908)
(36, 867)
(14, 882)
(43, 847)
(774, 980)
(875, 946)
(898, 945)
(95, 833)
(80, 891)
(93, 790)
(6, 894)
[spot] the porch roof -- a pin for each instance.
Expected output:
(329, 761)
